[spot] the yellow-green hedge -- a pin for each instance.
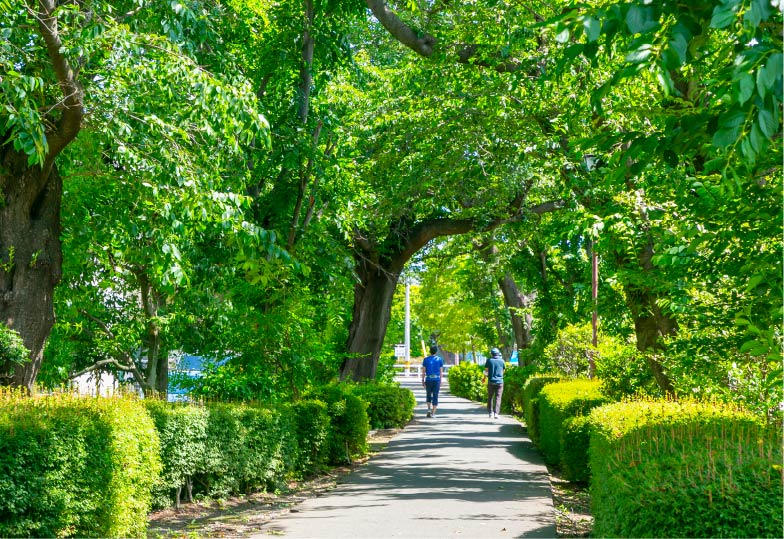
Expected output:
(684, 469)
(74, 466)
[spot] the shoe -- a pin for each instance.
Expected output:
(495, 416)
(429, 414)
(490, 415)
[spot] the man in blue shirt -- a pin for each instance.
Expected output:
(433, 366)
(494, 374)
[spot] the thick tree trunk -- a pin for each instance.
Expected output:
(650, 324)
(30, 258)
(30, 252)
(516, 303)
(372, 307)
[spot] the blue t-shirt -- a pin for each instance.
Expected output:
(495, 370)
(433, 366)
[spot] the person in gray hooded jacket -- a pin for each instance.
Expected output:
(494, 375)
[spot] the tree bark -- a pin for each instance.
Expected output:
(30, 258)
(30, 197)
(516, 302)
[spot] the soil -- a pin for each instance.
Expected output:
(243, 516)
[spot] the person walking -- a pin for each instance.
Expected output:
(494, 375)
(433, 367)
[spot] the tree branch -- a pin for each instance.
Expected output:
(422, 44)
(73, 97)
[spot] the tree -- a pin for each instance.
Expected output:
(58, 58)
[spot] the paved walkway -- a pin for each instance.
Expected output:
(460, 474)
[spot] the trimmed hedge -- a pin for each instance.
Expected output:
(74, 466)
(684, 469)
(530, 398)
(349, 422)
(466, 380)
(247, 448)
(558, 402)
(514, 379)
(182, 429)
(575, 441)
(388, 405)
(311, 422)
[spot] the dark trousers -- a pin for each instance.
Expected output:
(431, 388)
(494, 391)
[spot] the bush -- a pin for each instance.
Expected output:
(348, 416)
(77, 467)
(575, 441)
(182, 429)
(684, 469)
(530, 397)
(466, 380)
(558, 402)
(247, 448)
(514, 379)
(570, 351)
(388, 405)
(623, 371)
(12, 348)
(311, 422)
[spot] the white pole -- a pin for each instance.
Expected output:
(408, 327)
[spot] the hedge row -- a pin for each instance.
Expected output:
(560, 404)
(94, 467)
(466, 380)
(684, 469)
(388, 406)
(661, 468)
(75, 467)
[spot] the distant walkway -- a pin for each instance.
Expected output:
(460, 474)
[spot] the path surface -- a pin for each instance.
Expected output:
(460, 474)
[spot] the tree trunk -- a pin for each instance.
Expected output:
(30, 258)
(30, 195)
(650, 324)
(516, 303)
(372, 308)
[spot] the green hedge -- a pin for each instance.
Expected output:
(349, 422)
(514, 379)
(466, 380)
(182, 429)
(575, 441)
(311, 421)
(558, 402)
(388, 405)
(248, 448)
(670, 469)
(530, 398)
(75, 467)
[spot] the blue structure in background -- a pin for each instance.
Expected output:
(190, 367)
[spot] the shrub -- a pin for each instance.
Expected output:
(570, 351)
(684, 469)
(388, 405)
(575, 440)
(349, 422)
(248, 447)
(182, 429)
(559, 401)
(514, 379)
(77, 467)
(466, 380)
(311, 422)
(623, 371)
(530, 397)
(12, 348)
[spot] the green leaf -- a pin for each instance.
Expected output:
(767, 123)
(745, 87)
(639, 55)
(726, 137)
(640, 19)
(593, 29)
(724, 15)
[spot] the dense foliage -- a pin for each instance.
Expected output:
(684, 469)
(75, 467)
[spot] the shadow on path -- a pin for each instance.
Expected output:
(459, 474)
